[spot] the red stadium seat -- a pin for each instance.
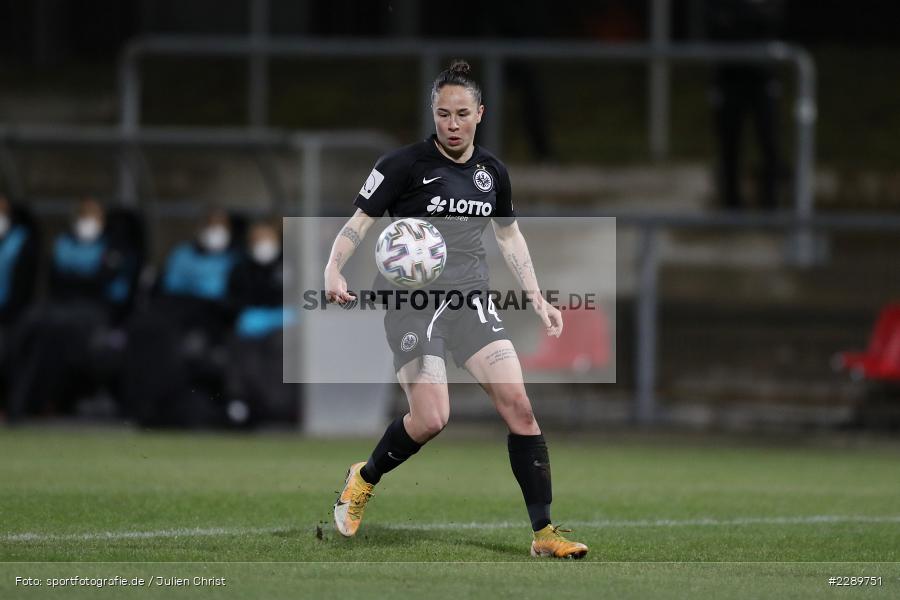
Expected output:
(583, 345)
(881, 360)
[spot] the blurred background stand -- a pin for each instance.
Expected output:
(263, 105)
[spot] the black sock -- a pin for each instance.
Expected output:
(530, 464)
(394, 447)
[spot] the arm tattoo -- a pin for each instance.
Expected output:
(521, 270)
(352, 235)
(338, 260)
(497, 355)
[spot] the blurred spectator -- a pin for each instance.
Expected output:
(57, 345)
(125, 233)
(176, 351)
(521, 20)
(746, 90)
(254, 379)
(18, 273)
(81, 268)
(18, 260)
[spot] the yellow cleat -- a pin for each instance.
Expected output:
(549, 542)
(348, 510)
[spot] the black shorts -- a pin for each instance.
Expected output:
(461, 330)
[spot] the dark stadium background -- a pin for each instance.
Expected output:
(740, 436)
(771, 348)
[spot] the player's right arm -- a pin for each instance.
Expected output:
(345, 244)
(380, 189)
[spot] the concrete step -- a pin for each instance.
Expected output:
(666, 187)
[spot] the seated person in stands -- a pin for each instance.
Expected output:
(254, 379)
(125, 234)
(18, 263)
(56, 343)
(18, 267)
(176, 354)
(83, 267)
(199, 268)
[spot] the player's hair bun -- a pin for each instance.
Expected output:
(458, 73)
(460, 67)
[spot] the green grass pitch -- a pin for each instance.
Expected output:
(664, 516)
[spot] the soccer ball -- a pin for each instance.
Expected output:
(411, 253)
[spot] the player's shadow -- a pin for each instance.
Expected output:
(379, 536)
(497, 547)
(392, 537)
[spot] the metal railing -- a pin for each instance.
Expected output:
(128, 150)
(646, 409)
(494, 54)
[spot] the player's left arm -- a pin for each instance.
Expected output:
(518, 259)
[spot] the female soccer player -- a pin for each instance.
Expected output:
(418, 181)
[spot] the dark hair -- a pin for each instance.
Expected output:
(456, 74)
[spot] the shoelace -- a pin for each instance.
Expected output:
(358, 500)
(556, 535)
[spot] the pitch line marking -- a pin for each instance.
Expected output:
(705, 521)
(137, 535)
(597, 524)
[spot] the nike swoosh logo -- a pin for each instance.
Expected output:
(395, 458)
(497, 328)
(540, 465)
(427, 181)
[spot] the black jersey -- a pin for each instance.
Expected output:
(459, 198)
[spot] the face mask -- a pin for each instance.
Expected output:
(215, 238)
(87, 229)
(4, 224)
(265, 251)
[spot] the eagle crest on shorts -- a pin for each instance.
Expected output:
(409, 341)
